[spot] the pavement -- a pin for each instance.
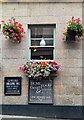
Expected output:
(8, 117)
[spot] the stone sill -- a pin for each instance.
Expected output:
(43, 1)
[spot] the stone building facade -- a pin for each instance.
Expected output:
(67, 85)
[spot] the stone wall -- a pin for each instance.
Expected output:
(0, 62)
(68, 83)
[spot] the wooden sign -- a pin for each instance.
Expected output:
(40, 91)
(12, 86)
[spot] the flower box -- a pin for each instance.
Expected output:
(40, 70)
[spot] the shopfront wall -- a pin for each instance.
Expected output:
(67, 86)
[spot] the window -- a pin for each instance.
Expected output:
(36, 33)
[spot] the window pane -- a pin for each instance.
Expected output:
(37, 42)
(42, 53)
(39, 31)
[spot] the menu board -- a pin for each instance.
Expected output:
(40, 91)
(12, 86)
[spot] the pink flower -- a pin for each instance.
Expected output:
(63, 38)
(60, 68)
(11, 30)
(78, 20)
(14, 38)
(55, 69)
(21, 67)
(2, 21)
(16, 35)
(10, 21)
(13, 34)
(25, 71)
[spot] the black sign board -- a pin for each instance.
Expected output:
(40, 91)
(12, 86)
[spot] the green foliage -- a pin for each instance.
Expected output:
(74, 27)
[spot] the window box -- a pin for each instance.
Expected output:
(39, 70)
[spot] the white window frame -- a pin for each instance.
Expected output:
(54, 43)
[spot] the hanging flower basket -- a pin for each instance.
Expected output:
(39, 70)
(74, 28)
(71, 35)
(13, 30)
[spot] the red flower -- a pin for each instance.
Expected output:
(43, 63)
(20, 30)
(20, 41)
(54, 63)
(15, 23)
(20, 25)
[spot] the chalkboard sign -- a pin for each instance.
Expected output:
(40, 91)
(12, 86)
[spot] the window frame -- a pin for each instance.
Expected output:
(29, 42)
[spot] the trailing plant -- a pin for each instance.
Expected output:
(38, 70)
(13, 30)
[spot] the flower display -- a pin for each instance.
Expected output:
(13, 30)
(38, 70)
(74, 28)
